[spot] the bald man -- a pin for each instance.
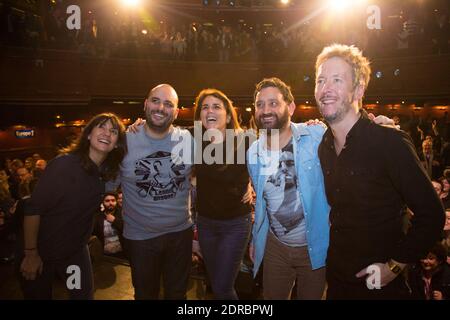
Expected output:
(157, 222)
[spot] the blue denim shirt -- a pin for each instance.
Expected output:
(306, 140)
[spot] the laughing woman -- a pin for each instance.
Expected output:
(60, 214)
(223, 205)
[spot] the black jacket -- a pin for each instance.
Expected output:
(99, 226)
(439, 282)
(368, 185)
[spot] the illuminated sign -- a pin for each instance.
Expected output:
(25, 133)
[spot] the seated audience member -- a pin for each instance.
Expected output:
(4, 185)
(39, 167)
(437, 187)
(445, 196)
(430, 161)
(119, 200)
(25, 185)
(446, 235)
(109, 226)
(8, 226)
(430, 278)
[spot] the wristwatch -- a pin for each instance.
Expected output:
(395, 268)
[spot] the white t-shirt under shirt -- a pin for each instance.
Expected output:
(284, 205)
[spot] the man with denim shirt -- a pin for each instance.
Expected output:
(291, 228)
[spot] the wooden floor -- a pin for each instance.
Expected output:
(112, 280)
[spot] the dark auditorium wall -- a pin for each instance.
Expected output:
(49, 76)
(45, 141)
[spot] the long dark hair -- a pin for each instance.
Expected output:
(111, 166)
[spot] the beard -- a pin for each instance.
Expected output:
(338, 115)
(109, 209)
(278, 124)
(160, 127)
(341, 110)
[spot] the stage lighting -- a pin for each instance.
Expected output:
(378, 74)
(340, 5)
(396, 72)
(130, 3)
(284, 1)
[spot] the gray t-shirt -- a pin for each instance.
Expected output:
(155, 180)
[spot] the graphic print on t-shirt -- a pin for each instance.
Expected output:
(158, 176)
(284, 206)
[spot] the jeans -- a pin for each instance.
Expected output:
(41, 287)
(223, 244)
(169, 256)
(284, 266)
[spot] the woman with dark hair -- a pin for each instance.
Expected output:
(430, 278)
(59, 217)
(223, 199)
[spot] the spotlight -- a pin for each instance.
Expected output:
(306, 78)
(284, 2)
(378, 74)
(341, 5)
(130, 3)
(396, 72)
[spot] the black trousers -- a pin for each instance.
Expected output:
(345, 290)
(168, 257)
(75, 271)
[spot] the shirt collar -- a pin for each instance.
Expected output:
(354, 131)
(298, 131)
